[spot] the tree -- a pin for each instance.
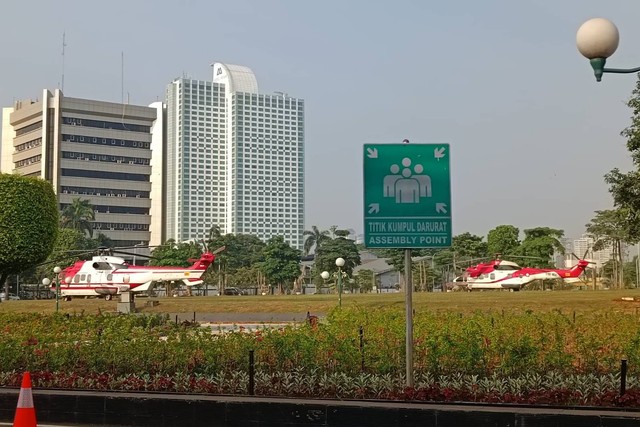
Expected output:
(281, 263)
(504, 239)
(630, 273)
(245, 277)
(175, 254)
(625, 187)
(103, 241)
(610, 228)
(332, 249)
(365, 280)
(78, 215)
(242, 251)
(314, 239)
(539, 245)
(28, 223)
(467, 245)
(424, 276)
(66, 250)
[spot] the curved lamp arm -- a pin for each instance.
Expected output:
(598, 68)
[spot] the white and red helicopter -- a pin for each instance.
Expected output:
(107, 275)
(502, 274)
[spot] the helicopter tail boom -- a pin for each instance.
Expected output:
(578, 269)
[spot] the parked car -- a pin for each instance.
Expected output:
(232, 291)
(11, 297)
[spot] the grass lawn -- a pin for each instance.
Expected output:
(567, 301)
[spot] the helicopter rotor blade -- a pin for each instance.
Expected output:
(134, 254)
(220, 249)
(524, 257)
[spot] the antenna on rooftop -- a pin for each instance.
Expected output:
(64, 44)
(122, 74)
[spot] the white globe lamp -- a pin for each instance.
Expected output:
(597, 38)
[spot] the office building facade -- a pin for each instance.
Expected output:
(583, 247)
(91, 150)
(234, 157)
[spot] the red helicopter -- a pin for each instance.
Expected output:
(107, 275)
(501, 274)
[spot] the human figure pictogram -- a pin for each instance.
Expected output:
(407, 186)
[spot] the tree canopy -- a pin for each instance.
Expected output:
(504, 239)
(28, 223)
(539, 245)
(467, 245)
(625, 187)
(281, 263)
(175, 254)
(332, 249)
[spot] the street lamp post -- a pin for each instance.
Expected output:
(325, 276)
(57, 271)
(339, 264)
(597, 39)
(135, 251)
(46, 283)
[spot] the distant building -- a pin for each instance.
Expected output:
(234, 158)
(583, 248)
(87, 149)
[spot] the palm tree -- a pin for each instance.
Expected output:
(314, 238)
(78, 215)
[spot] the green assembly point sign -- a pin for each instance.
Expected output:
(407, 196)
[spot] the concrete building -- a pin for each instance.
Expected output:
(235, 158)
(583, 247)
(92, 150)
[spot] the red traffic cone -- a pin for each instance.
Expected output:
(25, 412)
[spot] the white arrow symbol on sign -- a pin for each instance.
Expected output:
(372, 153)
(374, 208)
(441, 207)
(438, 153)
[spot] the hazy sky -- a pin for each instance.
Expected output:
(531, 132)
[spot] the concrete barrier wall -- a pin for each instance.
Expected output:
(149, 409)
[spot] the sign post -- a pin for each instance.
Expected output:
(407, 204)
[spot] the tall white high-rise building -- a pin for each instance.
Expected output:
(234, 158)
